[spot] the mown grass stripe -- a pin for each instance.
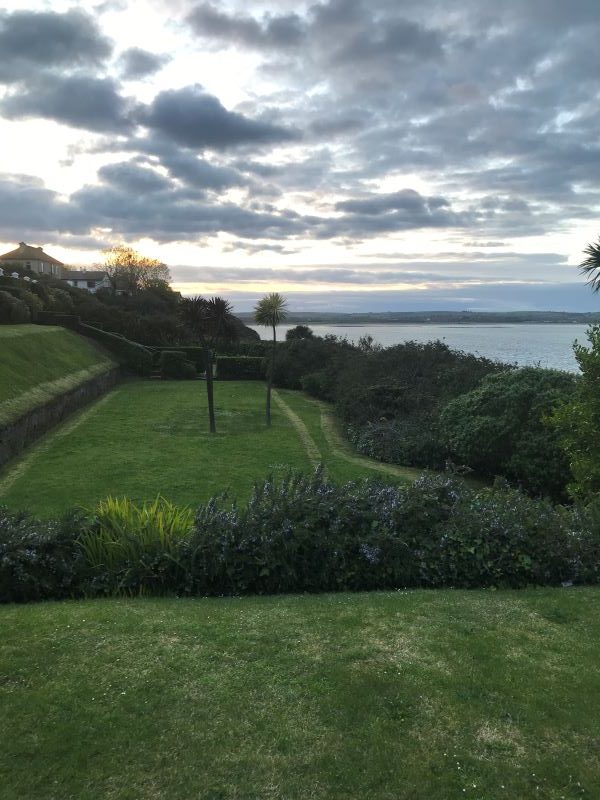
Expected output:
(309, 443)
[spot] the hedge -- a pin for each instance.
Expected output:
(240, 368)
(174, 364)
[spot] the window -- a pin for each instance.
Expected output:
(91, 284)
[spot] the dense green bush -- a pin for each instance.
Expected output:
(174, 364)
(12, 310)
(577, 421)
(240, 368)
(412, 440)
(39, 560)
(31, 300)
(501, 428)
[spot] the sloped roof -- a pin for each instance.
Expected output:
(27, 252)
(83, 274)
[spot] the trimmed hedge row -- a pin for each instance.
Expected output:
(305, 534)
(174, 364)
(130, 354)
(241, 368)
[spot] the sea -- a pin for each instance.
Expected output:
(548, 345)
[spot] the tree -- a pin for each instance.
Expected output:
(211, 321)
(501, 428)
(590, 266)
(131, 272)
(270, 312)
(299, 332)
(578, 421)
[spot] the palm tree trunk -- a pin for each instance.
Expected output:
(209, 390)
(270, 381)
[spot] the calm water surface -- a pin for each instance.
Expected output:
(548, 345)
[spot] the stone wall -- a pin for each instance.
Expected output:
(20, 433)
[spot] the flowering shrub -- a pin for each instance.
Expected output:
(39, 560)
(306, 534)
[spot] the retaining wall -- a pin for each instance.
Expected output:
(20, 433)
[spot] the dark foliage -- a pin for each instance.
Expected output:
(12, 310)
(39, 560)
(501, 428)
(306, 534)
(174, 364)
(240, 368)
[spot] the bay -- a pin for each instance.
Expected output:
(545, 345)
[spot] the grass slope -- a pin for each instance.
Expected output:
(40, 362)
(150, 437)
(411, 695)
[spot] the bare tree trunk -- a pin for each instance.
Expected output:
(209, 390)
(270, 381)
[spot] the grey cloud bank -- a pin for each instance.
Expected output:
(366, 121)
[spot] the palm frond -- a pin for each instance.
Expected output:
(590, 266)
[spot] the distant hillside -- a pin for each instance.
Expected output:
(433, 317)
(41, 362)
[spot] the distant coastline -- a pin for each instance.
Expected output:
(435, 317)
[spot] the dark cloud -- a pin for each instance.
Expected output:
(80, 101)
(271, 31)
(133, 178)
(136, 63)
(193, 118)
(34, 40)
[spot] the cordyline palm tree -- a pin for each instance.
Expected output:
(270, 312)
(211, 320)
(590, 266)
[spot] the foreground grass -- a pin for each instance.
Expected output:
(40, 362)
(150, 437)
(420, 695)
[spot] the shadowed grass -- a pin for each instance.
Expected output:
(420, 695)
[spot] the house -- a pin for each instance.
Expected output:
(27, 256)
(90, 280)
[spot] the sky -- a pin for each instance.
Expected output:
(354, 155)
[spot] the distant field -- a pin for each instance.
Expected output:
(40, 362)
(150, 437)
(421, 695)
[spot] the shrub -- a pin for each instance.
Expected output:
(240, 368)
(305, 534)
(500, 428)
(174, 364)
(12, 310)
(39, 560)
(131, 548)
(577, 421)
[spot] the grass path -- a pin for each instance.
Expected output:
(314, 454)
(318, 417)
(420, 695)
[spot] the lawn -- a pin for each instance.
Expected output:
(150, 437)
(384, 696)
(40, 362)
